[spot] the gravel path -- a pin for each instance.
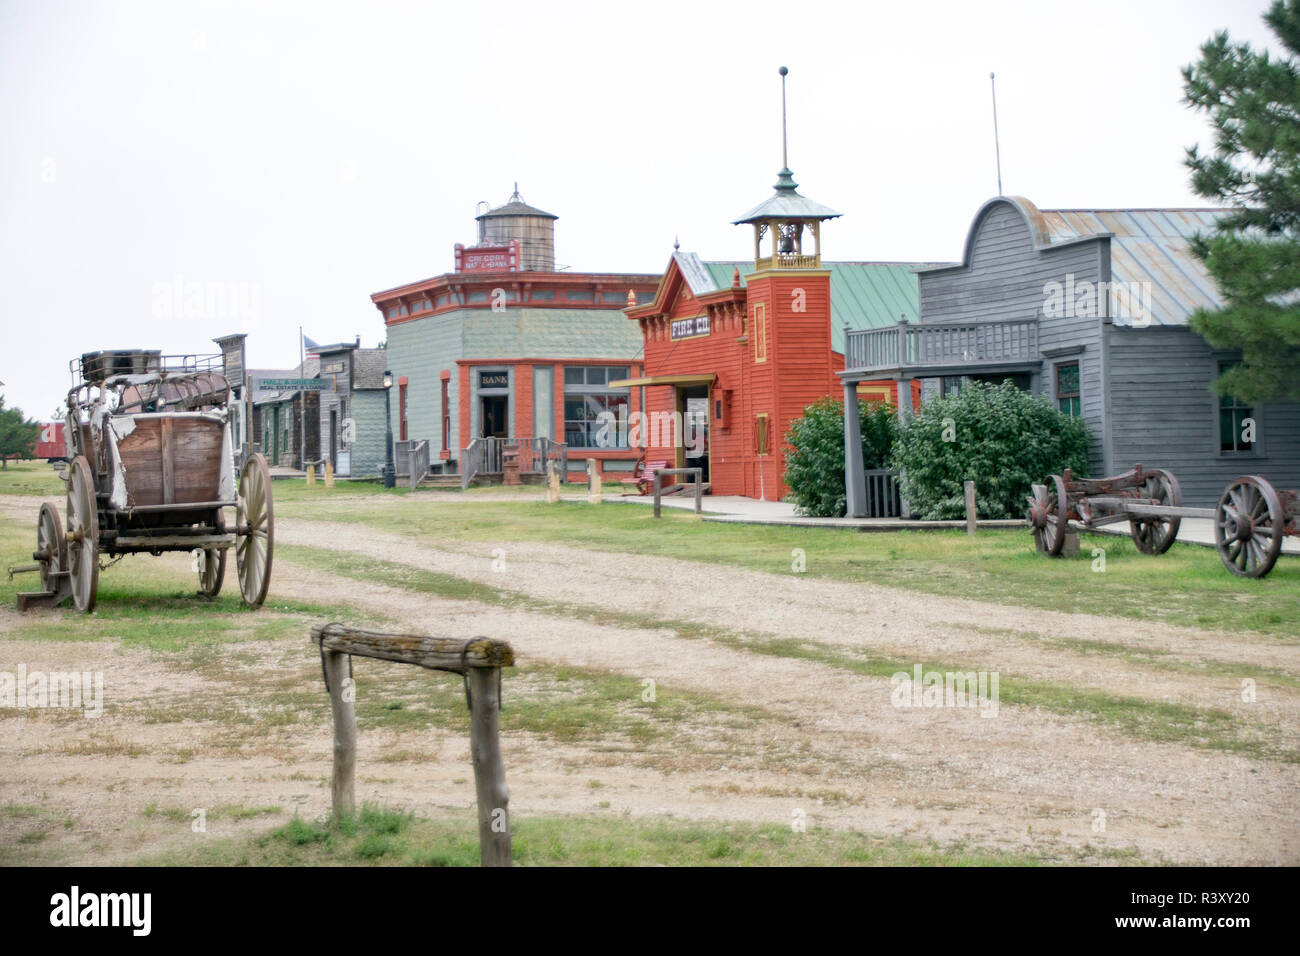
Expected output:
(1024, 772)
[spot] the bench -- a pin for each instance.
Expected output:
(643, 475)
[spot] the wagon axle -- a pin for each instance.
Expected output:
(1237, 527)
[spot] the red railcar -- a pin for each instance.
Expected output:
(51, 445)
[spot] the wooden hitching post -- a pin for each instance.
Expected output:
(480, 660)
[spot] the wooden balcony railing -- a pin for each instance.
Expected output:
(486, 456)
(937, 346)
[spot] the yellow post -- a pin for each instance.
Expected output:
(594, 495)
(311, 475)
(329, 474)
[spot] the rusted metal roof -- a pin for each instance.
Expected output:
(1148, 247)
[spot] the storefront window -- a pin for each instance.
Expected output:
(586, 395)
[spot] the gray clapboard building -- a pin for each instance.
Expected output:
(352, 409)
(1089, 308)
(285, 421)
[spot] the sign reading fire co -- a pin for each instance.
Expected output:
(689, 328)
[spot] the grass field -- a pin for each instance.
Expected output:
(381, 836)
(1188, 585)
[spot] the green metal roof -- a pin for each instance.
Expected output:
(864, 295)
(786, 203)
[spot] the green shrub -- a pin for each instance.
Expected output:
(1002, 438)
(814, 462)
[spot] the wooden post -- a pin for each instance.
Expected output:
(594, 495)
(311, 475)
(855, 484)
(970, 507)
(480, 660)
(552, 482)
(329, 474)
(343, 783)
(510, 464)
(494, 838)
(695, 474)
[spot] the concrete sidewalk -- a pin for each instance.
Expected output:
(733, 509)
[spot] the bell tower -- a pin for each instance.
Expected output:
(790, 362)
(785, 218)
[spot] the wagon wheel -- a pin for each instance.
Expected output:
(254, 530)
(51, 547)
(83, 535)
(1048, 516)
(1248, 527)
(1155, 535)
(212, 563)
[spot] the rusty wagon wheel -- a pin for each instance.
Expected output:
(1152, 534)
(1048, 516)
(254, 530)
(212, 563)
(83, 535)
(51, 547)
(1248, 527)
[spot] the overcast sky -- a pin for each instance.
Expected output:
(293, 158)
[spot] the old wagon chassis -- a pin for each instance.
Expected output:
(1250, 520)
(152, 471)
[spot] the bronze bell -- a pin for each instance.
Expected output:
(787, 244)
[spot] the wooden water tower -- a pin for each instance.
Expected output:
(533, 228)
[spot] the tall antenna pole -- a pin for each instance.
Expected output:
(997, 147)
(785, 159)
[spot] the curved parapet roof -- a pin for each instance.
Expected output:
(1150, 247)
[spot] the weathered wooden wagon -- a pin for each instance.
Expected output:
(152, 469)
(1250, 520)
